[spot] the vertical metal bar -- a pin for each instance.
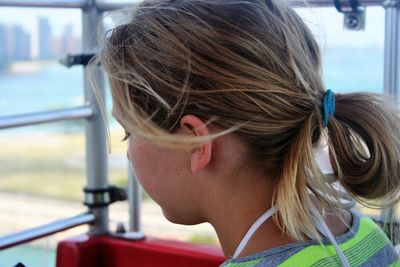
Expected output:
(134, 200)
(391, 59)
(391, 80)
(96, 145)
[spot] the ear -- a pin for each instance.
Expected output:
(201, 156)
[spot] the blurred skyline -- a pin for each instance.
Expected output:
(326, 23)
(16, 42)
(60, 21)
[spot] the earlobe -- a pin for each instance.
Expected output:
(201, 156)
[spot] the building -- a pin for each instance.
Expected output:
(15, 44)
(3, 47)
(67, 43)
(45, 39)
(20, 48)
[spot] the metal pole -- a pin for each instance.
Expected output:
(391, 59)
(44, 230)
(134, 201)
(105, 5)
(391, 80)
(45, 3)
(328, 3)
(96, 145)
(101, 5)
(45, 117)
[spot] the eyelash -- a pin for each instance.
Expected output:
(127, 135)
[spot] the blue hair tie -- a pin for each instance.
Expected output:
(328, 105)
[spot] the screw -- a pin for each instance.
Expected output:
(352, 21)
(121, 228)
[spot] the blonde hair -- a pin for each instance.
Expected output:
(254, 69)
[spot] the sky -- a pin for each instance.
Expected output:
(326, 23)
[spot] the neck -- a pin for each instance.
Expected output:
(239, 213)
(234, 214)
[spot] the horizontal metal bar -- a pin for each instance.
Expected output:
(45, 3)
(46, 117)
(104, 5)
(329, 3)
(45, 230)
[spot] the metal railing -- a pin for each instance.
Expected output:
(96, 149)
(84, 112)
(329, 3)
(95, 130)
(96, 146)
(391, 71)
(104, 5)
(46, 3)
(100, 5)
(391, 78)
(45, 230)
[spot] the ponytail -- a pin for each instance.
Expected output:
(364, 143)
(365, 149)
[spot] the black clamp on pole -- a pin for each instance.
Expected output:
(95, 198)
(73, 60)
(354, 14)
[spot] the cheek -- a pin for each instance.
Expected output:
(144, 163)
(153, 169)
(165, 176)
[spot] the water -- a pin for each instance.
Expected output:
(53, 87)
(30, 256)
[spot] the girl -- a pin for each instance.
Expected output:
(224, 110)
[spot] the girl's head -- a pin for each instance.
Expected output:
(250, 70)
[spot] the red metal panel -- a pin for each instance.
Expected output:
(106, 251)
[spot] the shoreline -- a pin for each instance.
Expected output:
(27, 67)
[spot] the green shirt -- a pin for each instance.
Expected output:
(365, 244)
